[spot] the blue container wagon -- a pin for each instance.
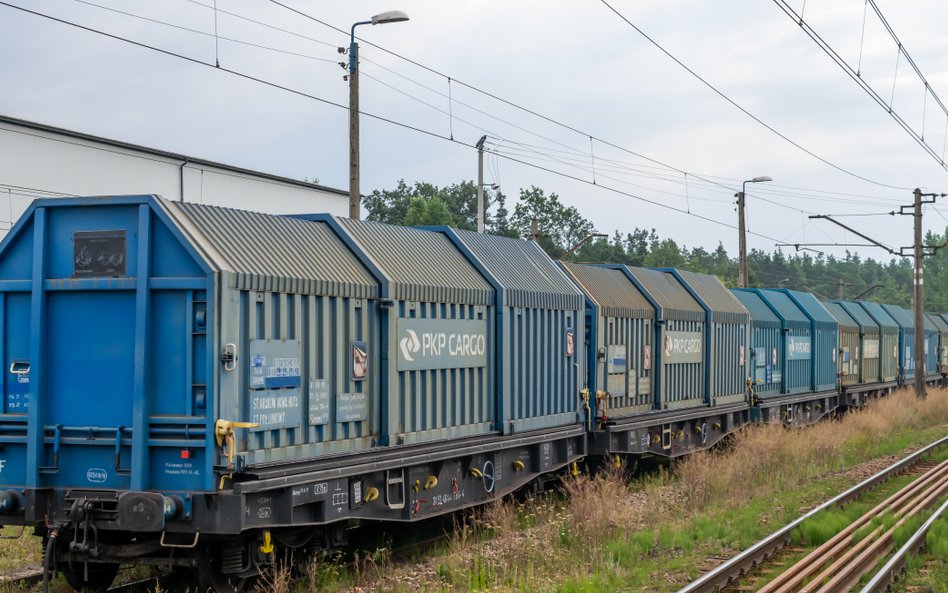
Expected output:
(889, 332)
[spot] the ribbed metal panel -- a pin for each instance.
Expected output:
(674, 299)
(631, 389)
(441, 403)
(826, 342)
(905, 320)
(942, 328)
(683, 384)
(796, 374)
(848, 359)
(725, 308)
(529, 277)
(932, 341)
(728, 360)
(766, 344)
(274, 253)
(889, 340)
(869, 343)
(420, 265)
(612, 291)
(728, 332)
(542, 381)
(324, 329)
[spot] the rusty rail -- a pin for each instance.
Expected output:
(729, 572)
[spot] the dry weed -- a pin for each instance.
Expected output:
(770, 458)
(277, 579)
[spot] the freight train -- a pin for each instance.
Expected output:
(200, 387)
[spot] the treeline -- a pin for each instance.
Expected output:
(560, 227)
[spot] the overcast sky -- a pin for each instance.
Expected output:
(575, 63)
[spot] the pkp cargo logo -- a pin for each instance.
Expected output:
(97, 475)
(410, 345)
(441, 343)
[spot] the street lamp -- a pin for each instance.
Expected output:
(742, 238)
(355, 198)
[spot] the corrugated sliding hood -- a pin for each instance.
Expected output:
(420, 265)
(612, 291)
(274, 253)
(529, 277)
(675, 300)
(725, 308)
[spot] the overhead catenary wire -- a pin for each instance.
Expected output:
(258, 80)
(205, 33)
(451, 101)
(325, 101)
(856, 77)
(584, 133)
(743, 109)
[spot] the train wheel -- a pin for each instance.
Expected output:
(211, 576)
(100, 578)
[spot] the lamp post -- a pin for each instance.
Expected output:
(355, 198)
(742, 233)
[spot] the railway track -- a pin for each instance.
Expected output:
(843, 561)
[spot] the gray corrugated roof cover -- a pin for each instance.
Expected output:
(901, 316)
(842, 317)
(725, 308)
(274, 253)
(612, 290)
(814, 308)
(938, 322)
(420, 265)
(529, 277)
(758, 309)
(670, 294)
(861, 316)
(786, 307)
(881, 316)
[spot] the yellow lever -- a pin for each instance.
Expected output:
(225, 428)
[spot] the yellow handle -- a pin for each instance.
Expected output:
(224, 428)
(431, 482)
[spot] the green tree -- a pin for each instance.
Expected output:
(560, 227)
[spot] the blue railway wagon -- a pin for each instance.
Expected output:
(540, 329)
(869, 344)
(438, 337)
(906, 323)
(766, 346)
(825, 339)
(680, 356)
(942, 352)
(200, 376)
(889, 335)
(726, 336)
(300, 320)
(849, 353)
(932, 344)
(620, 326)
(794, 364)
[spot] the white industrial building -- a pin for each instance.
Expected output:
(37, 160)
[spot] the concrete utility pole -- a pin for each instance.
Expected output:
(918, 297)
(919, 301)
(355, 198)
(534, 229)
(742, 232)
(480, 184)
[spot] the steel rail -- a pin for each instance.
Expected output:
(886, 575)
(734, 568)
